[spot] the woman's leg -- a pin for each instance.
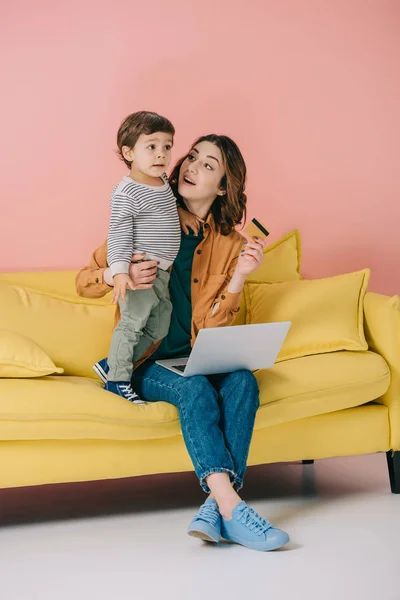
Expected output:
(223, 492)
(239, 401)
(199, 412)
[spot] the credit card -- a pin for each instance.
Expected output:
(256, 229)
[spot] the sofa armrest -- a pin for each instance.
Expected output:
(382, 330)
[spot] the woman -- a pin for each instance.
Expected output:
(217, 413)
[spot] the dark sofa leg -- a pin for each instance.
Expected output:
(307, 462)
(393, 460)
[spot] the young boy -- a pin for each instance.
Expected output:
(144, 219)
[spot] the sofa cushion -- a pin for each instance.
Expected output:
(320, 384)
(58, 283)
(281, 260)
(326, 314)
(75, 333)
(70, 407)
(281, 263)
(21, 357)
(78, 408)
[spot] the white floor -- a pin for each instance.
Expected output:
(343, 521)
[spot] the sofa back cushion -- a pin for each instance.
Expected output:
(281, 263)
(59, 283)
(326, 314)
(73, 332)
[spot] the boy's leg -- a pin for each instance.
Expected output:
(135, 312)
(159, 320)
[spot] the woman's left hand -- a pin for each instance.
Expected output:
(251, 256)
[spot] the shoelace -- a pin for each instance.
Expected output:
(260, 518)
(129, 394)
(254, 521)
(209, 513)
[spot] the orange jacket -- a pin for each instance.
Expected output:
(214, 262)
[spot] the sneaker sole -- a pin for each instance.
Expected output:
(202, 536)
(255, 546)
(100, 372)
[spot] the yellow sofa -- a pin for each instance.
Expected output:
(66, 428)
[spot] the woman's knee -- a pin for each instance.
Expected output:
(154, 384)
(243, 378)
(198, 389)
(244, 384)
(197, 383)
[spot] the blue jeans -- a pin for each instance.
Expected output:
(217, 415)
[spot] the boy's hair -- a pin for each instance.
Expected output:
(137, 124)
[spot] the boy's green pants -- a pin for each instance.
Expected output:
(145, 319)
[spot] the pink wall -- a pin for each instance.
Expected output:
(310, 90)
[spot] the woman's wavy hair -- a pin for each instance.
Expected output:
(230, 209)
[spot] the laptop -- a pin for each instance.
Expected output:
(227, 349)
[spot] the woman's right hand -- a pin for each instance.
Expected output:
(142, 274)
(188, 219)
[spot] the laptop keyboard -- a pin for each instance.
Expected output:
(180, 368)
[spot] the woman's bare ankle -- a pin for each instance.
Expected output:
(226, 505)
(223, 492)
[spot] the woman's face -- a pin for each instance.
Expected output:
(201, 173)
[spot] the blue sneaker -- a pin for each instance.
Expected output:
(102, 368)
(123, 389)
(206, 524)
(249, 529)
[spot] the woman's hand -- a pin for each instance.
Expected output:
(249, 260)
(188, 219)
(251, 256)
(142, 274)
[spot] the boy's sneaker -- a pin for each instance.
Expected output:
(123, 389)
(102, 368)
(206, 524)
(249, 529)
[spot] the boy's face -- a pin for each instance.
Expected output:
(151, 155)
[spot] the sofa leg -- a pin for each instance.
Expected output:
(307, 462)
(393, 460)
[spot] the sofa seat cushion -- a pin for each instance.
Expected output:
(320, 384)
(67, 407)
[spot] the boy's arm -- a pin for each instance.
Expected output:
(120, 235)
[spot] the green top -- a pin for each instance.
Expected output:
(177, 342)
